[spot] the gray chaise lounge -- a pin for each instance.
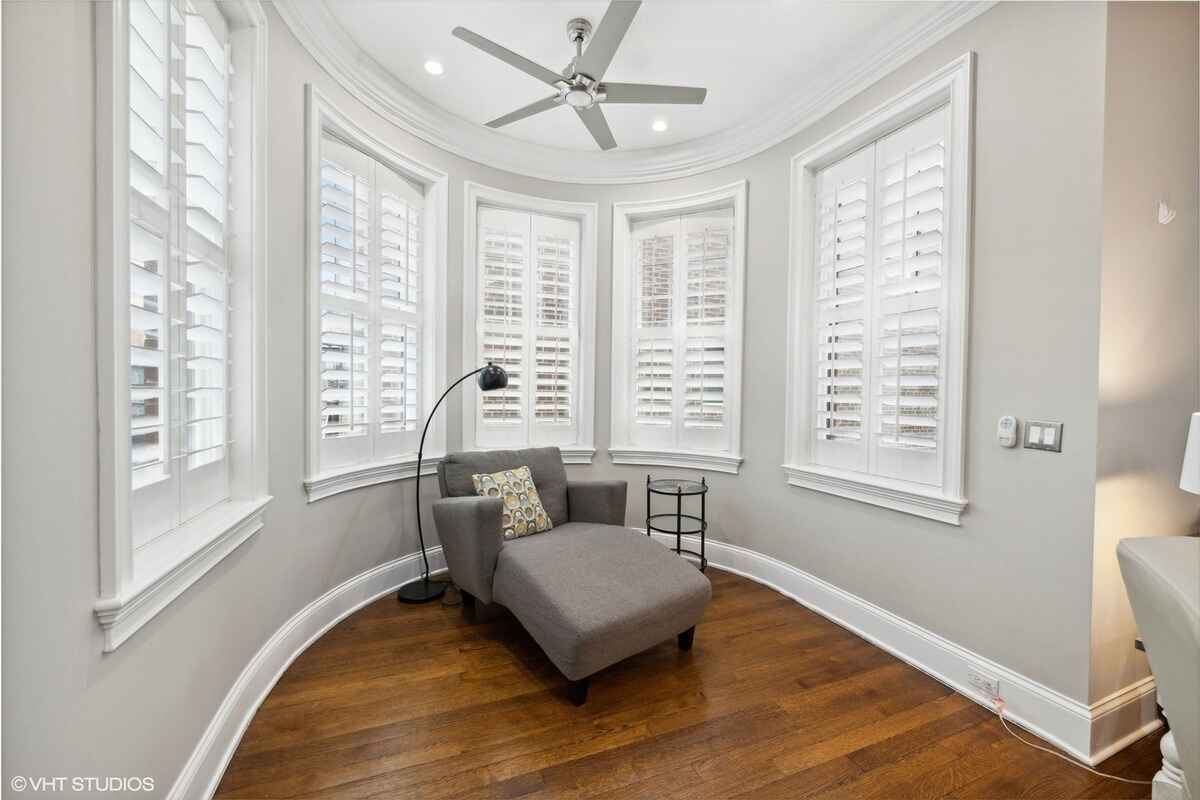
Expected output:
(590, 591)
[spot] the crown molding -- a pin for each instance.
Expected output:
(359, 74)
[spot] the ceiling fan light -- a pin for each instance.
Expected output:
(658, 126)
(578, 98)
(434, 67)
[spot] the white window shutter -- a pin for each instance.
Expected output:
(843, 223)
(910, 302)
(880, 305)
(179, 123)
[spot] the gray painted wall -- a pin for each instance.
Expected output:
(1149, 288)
(1013, 583)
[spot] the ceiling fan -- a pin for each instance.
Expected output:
(580, 84)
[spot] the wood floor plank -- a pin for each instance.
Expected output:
(773, 701)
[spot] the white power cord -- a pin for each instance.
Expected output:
(999, 704)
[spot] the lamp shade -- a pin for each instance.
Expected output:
(493, 377)
(1189, 479)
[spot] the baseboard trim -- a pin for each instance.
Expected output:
(1089, 732)
(202, 773)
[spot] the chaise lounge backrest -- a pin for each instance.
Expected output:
(545, 466)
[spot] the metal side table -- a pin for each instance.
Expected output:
(679, 488)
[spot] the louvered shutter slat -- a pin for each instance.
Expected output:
(704, 383)
(552, 390)
(653, 397)
(505, 349)
(656, 269)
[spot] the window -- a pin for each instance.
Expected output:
(180, 293)
(879, 311)
(528, 307)
(376, 243)
(678, 270)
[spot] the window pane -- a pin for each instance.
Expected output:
(704, 382)
(343, 375)
(506, 349)
(655, 371)
(503, 280)
(656, 267)
(839, 412)
(552, 394)
(708, 264)
(554, 263)
(399, 349)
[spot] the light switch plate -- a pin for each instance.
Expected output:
(1043, 436)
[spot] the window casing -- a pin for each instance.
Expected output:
(528, 306)
(180, 293)
(878, 306)
(376, 238)
(677, 330)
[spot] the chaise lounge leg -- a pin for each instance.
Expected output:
(577, 691)
(686, 638)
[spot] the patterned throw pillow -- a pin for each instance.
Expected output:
(523, 511)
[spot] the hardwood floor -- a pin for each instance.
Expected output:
(773, 701)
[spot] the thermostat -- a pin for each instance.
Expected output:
(1006, 431)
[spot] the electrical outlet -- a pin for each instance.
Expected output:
(988, 685)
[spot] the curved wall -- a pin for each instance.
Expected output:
(1016, 592)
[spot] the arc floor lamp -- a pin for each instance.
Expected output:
(491, 377)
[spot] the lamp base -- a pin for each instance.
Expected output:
(422, 590)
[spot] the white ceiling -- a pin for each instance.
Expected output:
(752, 55)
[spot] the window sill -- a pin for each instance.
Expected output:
(577, 455)
(921, 501)
(687, 459)
(357, 476)
(168, 565)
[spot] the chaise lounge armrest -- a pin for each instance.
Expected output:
(601, 502)
(469, 529)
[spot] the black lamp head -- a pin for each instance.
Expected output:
(492, 377)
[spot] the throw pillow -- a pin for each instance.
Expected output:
(523, 511)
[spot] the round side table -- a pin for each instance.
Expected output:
(678, 488)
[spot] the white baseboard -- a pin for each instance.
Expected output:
(1090, 733)
(202, 773)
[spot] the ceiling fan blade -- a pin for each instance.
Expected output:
(652, 93)
(508, 56)
(597, 125)
(607, 38)
(526, 111)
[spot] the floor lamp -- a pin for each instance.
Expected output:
(491, 378)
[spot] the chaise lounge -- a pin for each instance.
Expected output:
(590, 591)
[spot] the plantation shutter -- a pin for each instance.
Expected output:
(503, 244)
(401, 254)
(528, 277)
(910, 300)
(346, 199)
(708, 238)
(880, 305)
(179, 63)
(555, 331)
(371, 321)
(656, 250)
(682, 274)
(842, 238)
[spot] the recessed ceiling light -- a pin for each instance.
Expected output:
(434, 67)
(659, 125)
